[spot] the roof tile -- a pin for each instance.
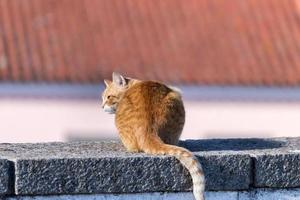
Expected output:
(203, 42)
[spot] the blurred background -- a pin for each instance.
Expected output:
(236, 62)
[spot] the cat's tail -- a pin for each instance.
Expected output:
(187, 159)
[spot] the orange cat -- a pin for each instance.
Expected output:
(150, 117)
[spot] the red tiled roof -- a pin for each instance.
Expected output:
(199, 41)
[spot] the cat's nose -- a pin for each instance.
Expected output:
(103, 102)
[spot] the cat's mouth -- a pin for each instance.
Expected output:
(108, 109)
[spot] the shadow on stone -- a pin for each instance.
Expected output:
(231, 144)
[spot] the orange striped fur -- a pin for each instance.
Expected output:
(150, 117)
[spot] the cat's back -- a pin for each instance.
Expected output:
(148, 96)
(153, 106)
(150, 93)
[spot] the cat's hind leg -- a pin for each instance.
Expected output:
(129, 142)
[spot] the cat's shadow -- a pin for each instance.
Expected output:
(231, 144)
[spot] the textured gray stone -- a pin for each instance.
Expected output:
(246, 145)
(227, 171)
(270, 194)
(92, 167)
(127, 174)
(279, 170)
(134, 196)
(105, 167)
(276, 161)
(6, 177)
(99, 175)
(255, 194)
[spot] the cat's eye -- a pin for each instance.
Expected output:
(109, 96)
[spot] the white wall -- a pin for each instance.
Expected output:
(52, 118)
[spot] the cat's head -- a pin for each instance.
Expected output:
(114, 91)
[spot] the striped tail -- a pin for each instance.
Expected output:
(186, 158)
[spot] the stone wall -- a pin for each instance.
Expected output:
(234, 168)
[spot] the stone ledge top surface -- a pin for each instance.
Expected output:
(90, 167)
(114, 148)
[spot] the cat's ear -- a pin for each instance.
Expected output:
(119, 80)
(107, 82)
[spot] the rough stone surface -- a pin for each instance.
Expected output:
(92, 167)
(276, 161)
(279, 170)
(270, 194)
(6, 177)
(227, 171)
(99, 175)
(127, 173)
(257, 194)
(144, 196)
(105, 167)
(241, 145)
